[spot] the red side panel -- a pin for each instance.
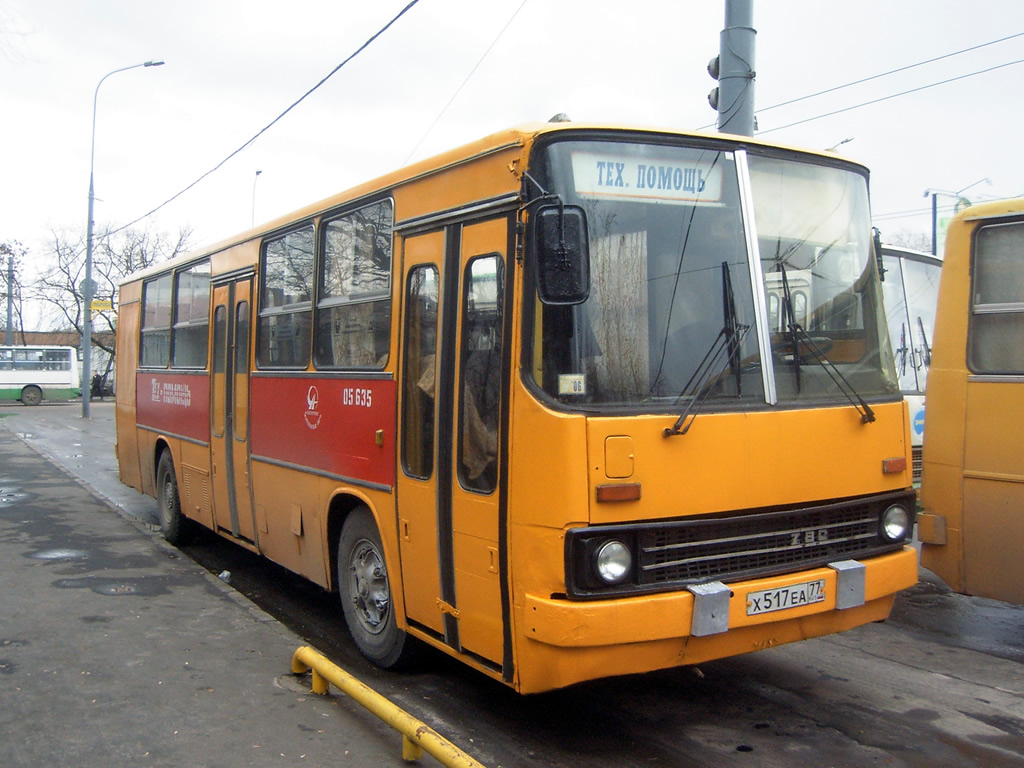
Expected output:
(330, 425)
(174, 403)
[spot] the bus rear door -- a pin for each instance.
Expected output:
(229, 439)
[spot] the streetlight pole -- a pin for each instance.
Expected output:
(934, 194)
(87, 286)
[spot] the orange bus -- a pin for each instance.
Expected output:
(972, 489)
(569, 402)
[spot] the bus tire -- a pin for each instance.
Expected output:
(365, 592)
(31, 395)
(175, 527)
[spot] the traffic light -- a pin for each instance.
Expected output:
(713, 69)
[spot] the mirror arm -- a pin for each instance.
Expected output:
(546, 196)
(876, 238)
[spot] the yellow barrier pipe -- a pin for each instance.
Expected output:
(417, 736)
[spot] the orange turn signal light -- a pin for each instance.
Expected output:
(619, 492)
(894, 465)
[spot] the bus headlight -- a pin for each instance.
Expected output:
(612, 561)
(895, 523)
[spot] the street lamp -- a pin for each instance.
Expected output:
(255, 179)
(87, 286)
(934, 193)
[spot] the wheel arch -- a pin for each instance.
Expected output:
(160, 446)
(341, 505)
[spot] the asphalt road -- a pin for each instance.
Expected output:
(941, 683)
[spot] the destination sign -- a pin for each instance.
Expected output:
(630, 178)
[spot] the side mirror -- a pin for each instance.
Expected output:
(562, 253)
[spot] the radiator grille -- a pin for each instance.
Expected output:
(917, 462)
(726, 548)
(672, 554)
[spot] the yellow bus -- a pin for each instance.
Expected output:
(568, 402)
(972, 489)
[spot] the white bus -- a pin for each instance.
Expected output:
(910, 290)
(34, 374)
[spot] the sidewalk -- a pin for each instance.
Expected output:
(117, 650)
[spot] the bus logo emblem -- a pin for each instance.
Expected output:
(312, 414)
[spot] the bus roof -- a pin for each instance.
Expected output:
(522, 136)
(1008, 207)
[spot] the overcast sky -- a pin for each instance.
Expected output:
(450, 71)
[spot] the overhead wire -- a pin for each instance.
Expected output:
(892, 96)
(463, 85)
(412, 3)
(880, 75)
(891, 72)
(269, 125)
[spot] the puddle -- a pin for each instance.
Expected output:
(60, 554)
(8, 499)
(145, 587)
(10, 494)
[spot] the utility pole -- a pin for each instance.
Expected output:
(733, 68)
(10, 300)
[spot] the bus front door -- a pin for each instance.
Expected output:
(450, 494)
(229, 438)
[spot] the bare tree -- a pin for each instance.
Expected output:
(115, 256)
(915, 241)
(12, 254)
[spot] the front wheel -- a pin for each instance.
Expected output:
(176, 528)
(365, 592)
(32, 395)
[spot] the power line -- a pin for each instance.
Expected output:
(892, 96)
(942, 208)
(269, 125)
(468, 77)
(890, 72)
(878, 76)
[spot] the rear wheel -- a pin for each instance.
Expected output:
(32, 395)
(175, 527)
(365, 592)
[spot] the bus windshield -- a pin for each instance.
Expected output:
(735, 279)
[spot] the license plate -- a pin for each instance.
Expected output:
(793, 596)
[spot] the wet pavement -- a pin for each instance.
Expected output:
(116, 649)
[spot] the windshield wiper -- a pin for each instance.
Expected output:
(796, 333)
(901, 353)
(790, 319)
(924, 341)
(732, 327)
(727, 342)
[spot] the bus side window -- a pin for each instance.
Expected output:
(284, 326)
(156, 322)
(191, 317)
(480, 389)
(997, 301)
(420, 374)
(353, 326)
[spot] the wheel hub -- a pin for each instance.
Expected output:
(371, 594)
